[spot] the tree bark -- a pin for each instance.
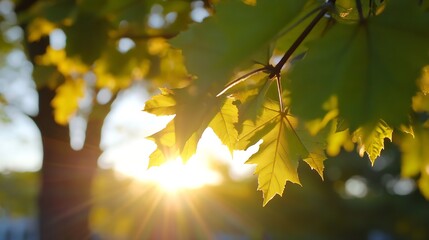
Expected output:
(66, 175)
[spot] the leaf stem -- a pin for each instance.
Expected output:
(241, 79)
(280, 92)
(300, 39)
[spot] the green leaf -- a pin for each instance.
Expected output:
(223, 124)
(228, 40)
(371, 139)
(281, 149)
(315, 146)
(371, 67)
(297, 26)
(87, 37)
(193, 114)
(54, 11)
(251, 108)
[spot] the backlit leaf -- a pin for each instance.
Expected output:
(156, 158)
(223, 124)
(228, 40)
(297, 26)
(415, 157)
(371, 139)
(279, 153)
(364, 68)
(162, 104)
(338, 137)
(166, 149)
(251, 108)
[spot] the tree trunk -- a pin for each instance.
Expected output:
(66, 176)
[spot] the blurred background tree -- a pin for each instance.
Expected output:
(83, 53)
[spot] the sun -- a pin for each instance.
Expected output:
(175, 175)
(131, 159)
(172, 176)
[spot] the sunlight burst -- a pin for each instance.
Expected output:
(175, 175)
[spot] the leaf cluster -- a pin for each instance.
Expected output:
(109, 45)
(328, 75)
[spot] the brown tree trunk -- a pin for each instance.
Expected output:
(66, 176)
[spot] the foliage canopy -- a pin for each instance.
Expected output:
(358, 71)
(306, 77)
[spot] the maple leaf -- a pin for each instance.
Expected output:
(162, 104)
(371, 139)
(167, 148)
(251, 107)
(165, 142)
(228, 40)
(279, 154)
(362, 66)
(223, 124)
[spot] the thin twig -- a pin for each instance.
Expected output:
(241, 79)
(300, 39)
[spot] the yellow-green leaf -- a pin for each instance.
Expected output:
(162, 104)
(371, 139)
(223, 124)
(157, 158)
(66, 100)
(166, 149)
(415, 153)
(228, 41)
(415, 157)
(280, 150)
